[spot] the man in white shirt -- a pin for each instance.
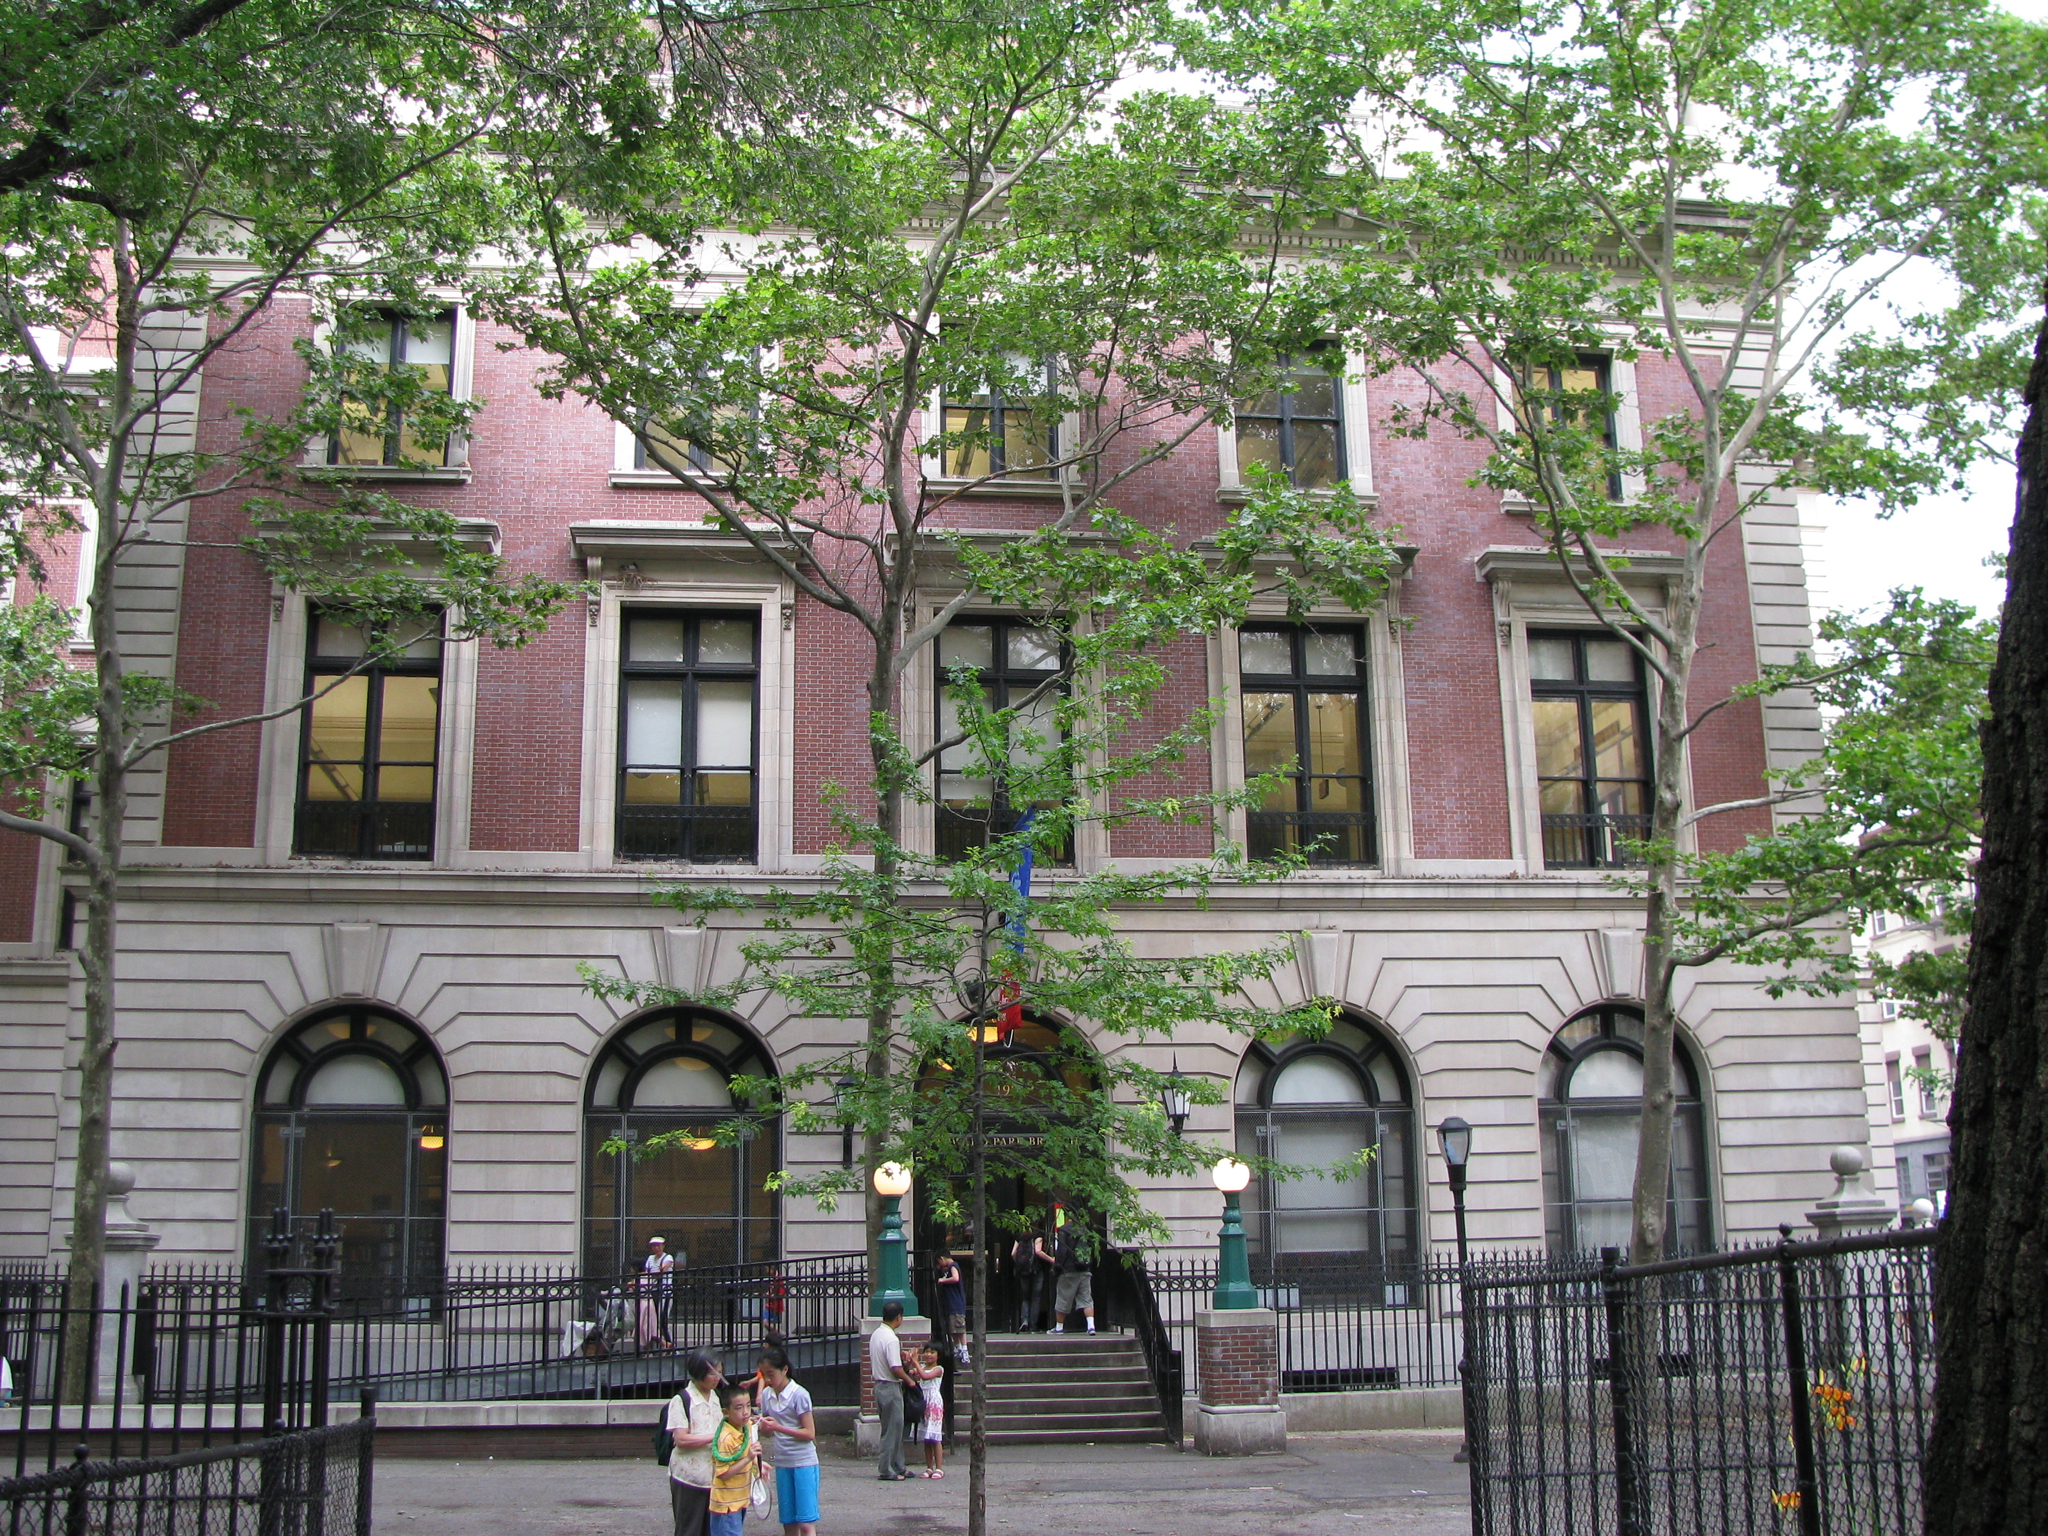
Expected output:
(885, 1364)
(693, 1419)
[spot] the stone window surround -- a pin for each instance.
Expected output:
(1354, 415)
(461, 386)
(278, 765)
(648, 565)
(1628, 423)
(919, 696)
(1051, 487)
(1386, 729)
(1531, 592)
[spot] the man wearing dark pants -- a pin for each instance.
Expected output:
(885, 1365)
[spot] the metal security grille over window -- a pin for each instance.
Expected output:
(1326, 1104)
(1017, 664)
(1004, 431)
(1304, 719)
(369, 745)
(373, 434)
(1590, 1088)
(1592, 751)
(1297, 429)
(708, 1202)
(352, 1117)
(689, 737)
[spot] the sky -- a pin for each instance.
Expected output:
(1940, 545)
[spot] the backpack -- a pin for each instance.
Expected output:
(663, 1442)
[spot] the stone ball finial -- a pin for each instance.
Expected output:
(1922, 1210)
(1847, 1162)
(120, 1181)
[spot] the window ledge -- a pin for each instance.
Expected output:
(1001, 485)
(452, 474)
(659, 480)
(1521, 506)
(1238, 495)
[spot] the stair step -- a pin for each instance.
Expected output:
(1074, 1436)
(1125, 1419)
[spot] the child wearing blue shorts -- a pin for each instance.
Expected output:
(789, 1444)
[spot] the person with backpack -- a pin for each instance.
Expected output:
(1074, 1290)
(692, 1421)
(1030, 1263)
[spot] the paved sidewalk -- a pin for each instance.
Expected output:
(1391, 1484)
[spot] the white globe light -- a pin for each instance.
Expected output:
(892, 1179)
(1231, 1176)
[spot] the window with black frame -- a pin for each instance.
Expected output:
(1303, 697)
(671, 1074)
(998, 431)
(689, 734)
(703, 458)
(368, 744)
(1592, 747)
(1297, 428)
(352, 1116)
(370, 432)
(1018, 665)
(1323, 1104)
(1590, 373)
(1590, 1096)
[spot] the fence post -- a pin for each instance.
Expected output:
(364, 1448)
(74, 1514)
(1627, 1502)
(1807, 1483)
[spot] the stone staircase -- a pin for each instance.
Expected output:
(1067, 1388)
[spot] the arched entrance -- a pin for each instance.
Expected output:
(673, 1071)
(352, 1116)
(1040, 1051)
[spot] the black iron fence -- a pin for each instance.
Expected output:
(308, 1482)
(1769, 1390)
(1359, 1328)
(191, 1343)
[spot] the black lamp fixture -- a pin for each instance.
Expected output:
(1173, 1098)
(840, 1086)
(1454, 1137)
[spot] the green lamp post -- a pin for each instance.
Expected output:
(1233, 1266)
(892, 1183)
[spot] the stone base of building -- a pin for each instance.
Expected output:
(1249, 1431)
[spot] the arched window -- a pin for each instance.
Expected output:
(352, 1117)
(1319, 1104)
(673, 1072)
(1591, 1095)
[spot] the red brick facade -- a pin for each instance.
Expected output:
(1238, 1362)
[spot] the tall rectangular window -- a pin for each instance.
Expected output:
(1923, 1064)
(1592, 750)
(373, 434)
(689, 734)
(1002, 432)
(1590, 373)
(1018, 665)
(369, 746)
(1297, 429)
(1304, 720)
(1895, 1080)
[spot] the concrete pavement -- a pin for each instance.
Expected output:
(1394, 1483)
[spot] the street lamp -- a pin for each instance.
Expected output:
(1234, 1291)
(892, 1183)
(840, 1087)
(1454, 1139)
(1173, 1098)
(1454, 1136)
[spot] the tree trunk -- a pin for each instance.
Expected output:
(1986, 1467)
(1660, 1028)
(110, 809)
(977, 1379)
